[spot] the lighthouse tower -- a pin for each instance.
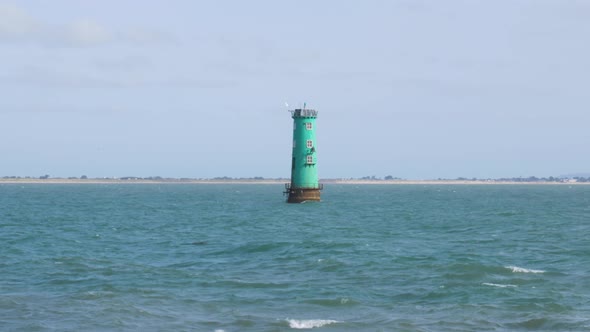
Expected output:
(304, 184)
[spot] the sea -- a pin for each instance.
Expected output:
(236, 257)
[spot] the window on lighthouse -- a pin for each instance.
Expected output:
(308, 125)
(310, 159)
(309, 144)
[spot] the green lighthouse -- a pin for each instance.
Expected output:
(304, 184)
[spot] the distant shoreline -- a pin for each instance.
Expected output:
(281, 181)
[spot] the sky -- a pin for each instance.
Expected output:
(414, 89)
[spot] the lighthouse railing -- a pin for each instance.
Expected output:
(304, 113)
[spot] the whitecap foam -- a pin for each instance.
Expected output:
(517, 269)
(309, 323)
(498, 285)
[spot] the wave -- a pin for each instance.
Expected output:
(499, 285)
(309, 323)
(332, 301)
(517, 269)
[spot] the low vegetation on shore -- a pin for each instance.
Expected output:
(258, 179)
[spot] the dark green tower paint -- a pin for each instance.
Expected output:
(304, 184)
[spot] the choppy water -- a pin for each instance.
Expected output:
(237, 258)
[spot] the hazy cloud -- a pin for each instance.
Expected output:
(142, 35)
(18, 26)
(15, 23)
(86, 32)
(124, 63)
(37, 76)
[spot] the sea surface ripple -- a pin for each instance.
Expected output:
(198, 257)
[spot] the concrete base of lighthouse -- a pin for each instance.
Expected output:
(300, 195)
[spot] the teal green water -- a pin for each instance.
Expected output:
(237, 258)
